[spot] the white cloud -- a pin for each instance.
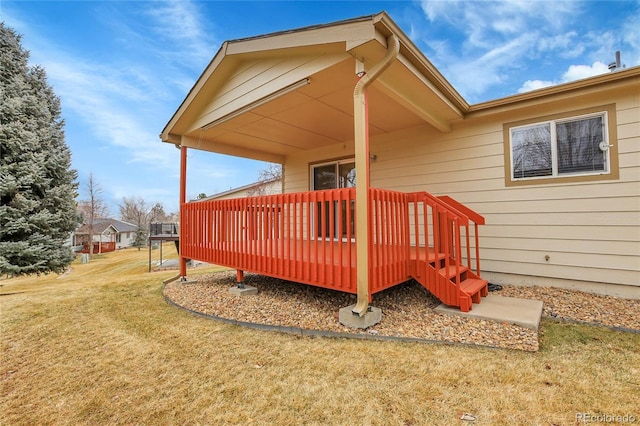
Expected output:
(179, 24)
(485, 47)
(490, 68)
(631, 38)
(564, 41)
(530, 85)
(487, 22)
(112, 106)
(575, 72)
(499, 38)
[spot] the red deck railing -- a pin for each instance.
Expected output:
(309, 237)
(389, 244)
(277, 235)
(441, 235)
(476, 219)
(306, 237)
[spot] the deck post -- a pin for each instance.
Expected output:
(361, 139)
(240, 278)
(240, 289)
(362, 201)
(183, 200)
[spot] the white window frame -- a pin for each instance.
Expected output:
(555, 174)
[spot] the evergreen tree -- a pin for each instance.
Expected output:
(37, 185)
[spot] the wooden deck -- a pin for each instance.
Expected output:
(161, 232)
(164, 232)
(303, 237)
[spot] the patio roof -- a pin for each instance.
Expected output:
(271, 96)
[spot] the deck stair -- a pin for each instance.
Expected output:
(441, 268)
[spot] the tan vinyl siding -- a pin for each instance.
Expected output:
(254, 80)
(568, 222)
(613, 233)
(297, 172)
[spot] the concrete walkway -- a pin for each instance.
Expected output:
(523, 312)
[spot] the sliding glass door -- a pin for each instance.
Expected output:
(334, 175)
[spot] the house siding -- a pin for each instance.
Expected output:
(590, 231)
(252, 81)
(297, 168)
(126, 240)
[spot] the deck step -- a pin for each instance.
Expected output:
(450, 272)
(475, 288)
(473, 285)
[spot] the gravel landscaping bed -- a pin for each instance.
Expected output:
(407, 310)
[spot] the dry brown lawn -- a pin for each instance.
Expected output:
(100, 346)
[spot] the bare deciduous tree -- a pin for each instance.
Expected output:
(136, 210)
(270, 173)
(157, 214)
(133, 209)
(93, 206)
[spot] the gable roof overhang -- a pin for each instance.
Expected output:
(99, 227)
(271, 96)
(106, 226)
(594, 89)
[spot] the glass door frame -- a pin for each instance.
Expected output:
(337, 184)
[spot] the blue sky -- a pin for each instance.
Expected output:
(122, 68)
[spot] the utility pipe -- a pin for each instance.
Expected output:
(361, 136)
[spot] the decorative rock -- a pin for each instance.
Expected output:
(409, 309)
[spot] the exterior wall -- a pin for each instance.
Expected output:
(297, 169)
(103, 238)
(590, 231)
(126, 239)
(253, 80)
(270, 188)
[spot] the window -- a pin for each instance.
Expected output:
(571, 147)
(339, 174)
(334, 175)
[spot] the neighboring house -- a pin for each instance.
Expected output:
(269, 187)
(108, 235)
(554, 173)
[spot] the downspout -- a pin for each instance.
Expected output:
(361, 138)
